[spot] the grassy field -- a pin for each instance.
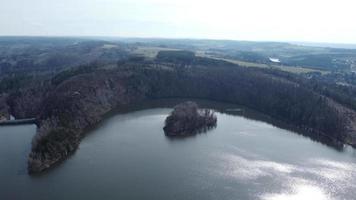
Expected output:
(297, 70)
(151, 52)
(109, 46)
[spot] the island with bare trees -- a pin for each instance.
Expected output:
(187, 119)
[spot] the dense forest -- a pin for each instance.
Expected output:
(80, 101)
(73, 98)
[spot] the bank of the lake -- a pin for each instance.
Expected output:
(129, 157)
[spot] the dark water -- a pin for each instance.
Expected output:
(128, 157)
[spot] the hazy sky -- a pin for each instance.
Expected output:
(279, 20)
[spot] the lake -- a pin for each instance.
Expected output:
(129, 157)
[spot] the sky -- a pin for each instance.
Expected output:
(331, 21)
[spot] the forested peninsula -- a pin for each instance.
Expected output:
(71, 102)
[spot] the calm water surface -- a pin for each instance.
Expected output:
(129, 157)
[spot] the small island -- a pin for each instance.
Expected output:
(187, 119)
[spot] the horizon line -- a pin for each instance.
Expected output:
(183, 38)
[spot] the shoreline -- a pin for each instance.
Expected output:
(219, 106)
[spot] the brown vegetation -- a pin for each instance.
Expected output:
(187, 119)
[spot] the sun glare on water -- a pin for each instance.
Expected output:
(301, 192)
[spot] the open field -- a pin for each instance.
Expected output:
(109, 46)
(297, 70)
(151, 52)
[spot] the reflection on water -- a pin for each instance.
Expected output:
(251, 114)
(242, 168)
(129, 157)
(320, 179)
(235, 110)
(300, 191)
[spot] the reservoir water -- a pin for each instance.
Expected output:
(129, 157)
